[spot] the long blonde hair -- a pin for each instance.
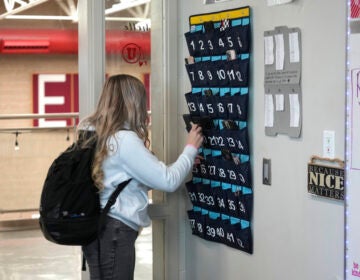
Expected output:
(122, 105)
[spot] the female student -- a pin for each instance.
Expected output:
(120, 122)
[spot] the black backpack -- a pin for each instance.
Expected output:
(70, 212)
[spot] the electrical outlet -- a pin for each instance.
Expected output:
(329, 144)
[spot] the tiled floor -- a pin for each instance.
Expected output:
(26, 255)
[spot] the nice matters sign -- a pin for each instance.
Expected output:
(326, 181)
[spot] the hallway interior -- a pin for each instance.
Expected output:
(26, 255)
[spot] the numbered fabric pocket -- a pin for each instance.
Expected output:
(240, 38)
(220, 199)
(232, 203)
(239, 205)
(216, 42)
(212, 106)
(236, 141)
(197, 223)
(245, 206)
(228, 171)
(221, 109)
(212, 164)
(192, 101)
(219, 77)
(198, 74)
(202, 104)
(210, 138)
(213, 228)
(192, 189)
(219, 73)
(205, 196)
(237, 72)
(204, 172)
(236, 106)
(200, 43)
(195, 43)
(237, 174)
(238, 237)
(196, 170)
(192, 220)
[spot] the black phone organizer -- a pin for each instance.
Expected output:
(218, 68)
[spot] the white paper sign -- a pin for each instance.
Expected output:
(269, 50)
(294, 110)
(280, 52)
(279, 102)
(294, 48)
(269, 110)
(277, 2)
(214, 1)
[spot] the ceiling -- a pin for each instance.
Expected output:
(52, 13)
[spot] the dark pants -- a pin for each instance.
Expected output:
(117, 252)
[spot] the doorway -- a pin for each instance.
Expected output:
(36, 144)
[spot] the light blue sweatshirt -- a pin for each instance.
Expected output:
(129, 158)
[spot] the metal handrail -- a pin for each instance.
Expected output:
(29, 129)
(2, 211)
(38, 116)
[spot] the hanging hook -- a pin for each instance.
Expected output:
(16, 141)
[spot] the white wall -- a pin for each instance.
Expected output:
(296, 236)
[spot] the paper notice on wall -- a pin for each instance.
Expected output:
(214, 1)
(282, 76)
(280, 51)
(269, 110)
(354, 60)
(353, 158)
(294, 48)
(269, 50)
(294, 110)
(355, 116)
(277, 2)
(279, 102)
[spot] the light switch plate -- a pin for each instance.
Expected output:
(329, 144)
(266, 171)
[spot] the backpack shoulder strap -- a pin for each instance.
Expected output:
(114, 196)
(111, 202)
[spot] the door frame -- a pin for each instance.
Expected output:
(165, 135)
(164, 113)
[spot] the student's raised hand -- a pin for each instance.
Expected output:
(195, 137)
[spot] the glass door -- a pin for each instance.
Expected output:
(139, 41)
(39, 58)
(128, 51)
(38, 77)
